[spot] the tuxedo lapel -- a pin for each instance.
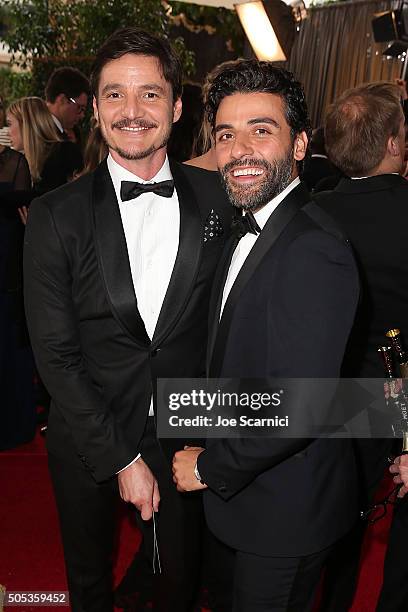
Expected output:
(274, 227)
(113, 256)
(187, 260)
(217, 292)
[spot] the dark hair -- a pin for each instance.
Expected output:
(184, 141)
(136, 41)
(358, 125)
(253, 76)
(68, 81)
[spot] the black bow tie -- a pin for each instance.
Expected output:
(245, 225)
(130, 190)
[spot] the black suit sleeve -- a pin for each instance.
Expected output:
(54, 334)
(312, 310)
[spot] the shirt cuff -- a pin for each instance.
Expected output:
(126, 466)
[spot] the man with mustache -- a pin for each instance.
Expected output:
(118, 270)
(283, 305)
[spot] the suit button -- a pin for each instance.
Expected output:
(222, 488)
(155, 352)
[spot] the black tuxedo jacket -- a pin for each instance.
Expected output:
(289, 314)
(89, 340)
(373, 213)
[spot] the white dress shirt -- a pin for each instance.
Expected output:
(247, 242)
(57, 123)
(151, 224)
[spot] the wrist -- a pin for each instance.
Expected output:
(197, 474)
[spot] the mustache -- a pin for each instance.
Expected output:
(142, 123)
(249, 161)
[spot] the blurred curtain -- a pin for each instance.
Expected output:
(335, 50)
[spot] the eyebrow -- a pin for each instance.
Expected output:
(268, 120)
(256, 120)
(151, 86)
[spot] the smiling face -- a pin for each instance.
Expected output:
(15, 132)
(256, 153)
(135, 110)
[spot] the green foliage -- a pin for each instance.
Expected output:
(76, 28)
(224, 21)
(14, 85)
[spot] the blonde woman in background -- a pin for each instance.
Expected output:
(52, 161)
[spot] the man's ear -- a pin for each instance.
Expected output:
(393, 146)
(60, 100)
(95, 109)
(177, 108)
(300, 146)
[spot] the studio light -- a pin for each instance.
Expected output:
(270, 25)
(259, 31)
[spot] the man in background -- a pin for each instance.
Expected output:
(365, 139)
(66, 93)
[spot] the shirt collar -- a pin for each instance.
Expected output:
(119, 173)
(263, 215)
(359, 178)
(58, 123)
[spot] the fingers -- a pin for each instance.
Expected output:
(156, 496)
(146, 511)
(23, 214)
(403, 491)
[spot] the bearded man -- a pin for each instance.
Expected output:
(283, 305)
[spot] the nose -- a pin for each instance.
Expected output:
(131, 108)
(241, 147)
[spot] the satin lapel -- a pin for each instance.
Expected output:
(216, 294)
(187, 260)
(113, 256)
(275, 225)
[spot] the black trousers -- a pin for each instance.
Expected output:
(276, 584)
(394, 592)
(87, 513)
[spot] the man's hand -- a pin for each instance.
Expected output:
(400, 469)
(138, 486)
(183, 469)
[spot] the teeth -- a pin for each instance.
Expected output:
(248, 172)
(133, 129)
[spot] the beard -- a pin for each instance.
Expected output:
(136, 153)
(276, 177)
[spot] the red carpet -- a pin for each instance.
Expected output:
(31, 555)
(30, 546)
